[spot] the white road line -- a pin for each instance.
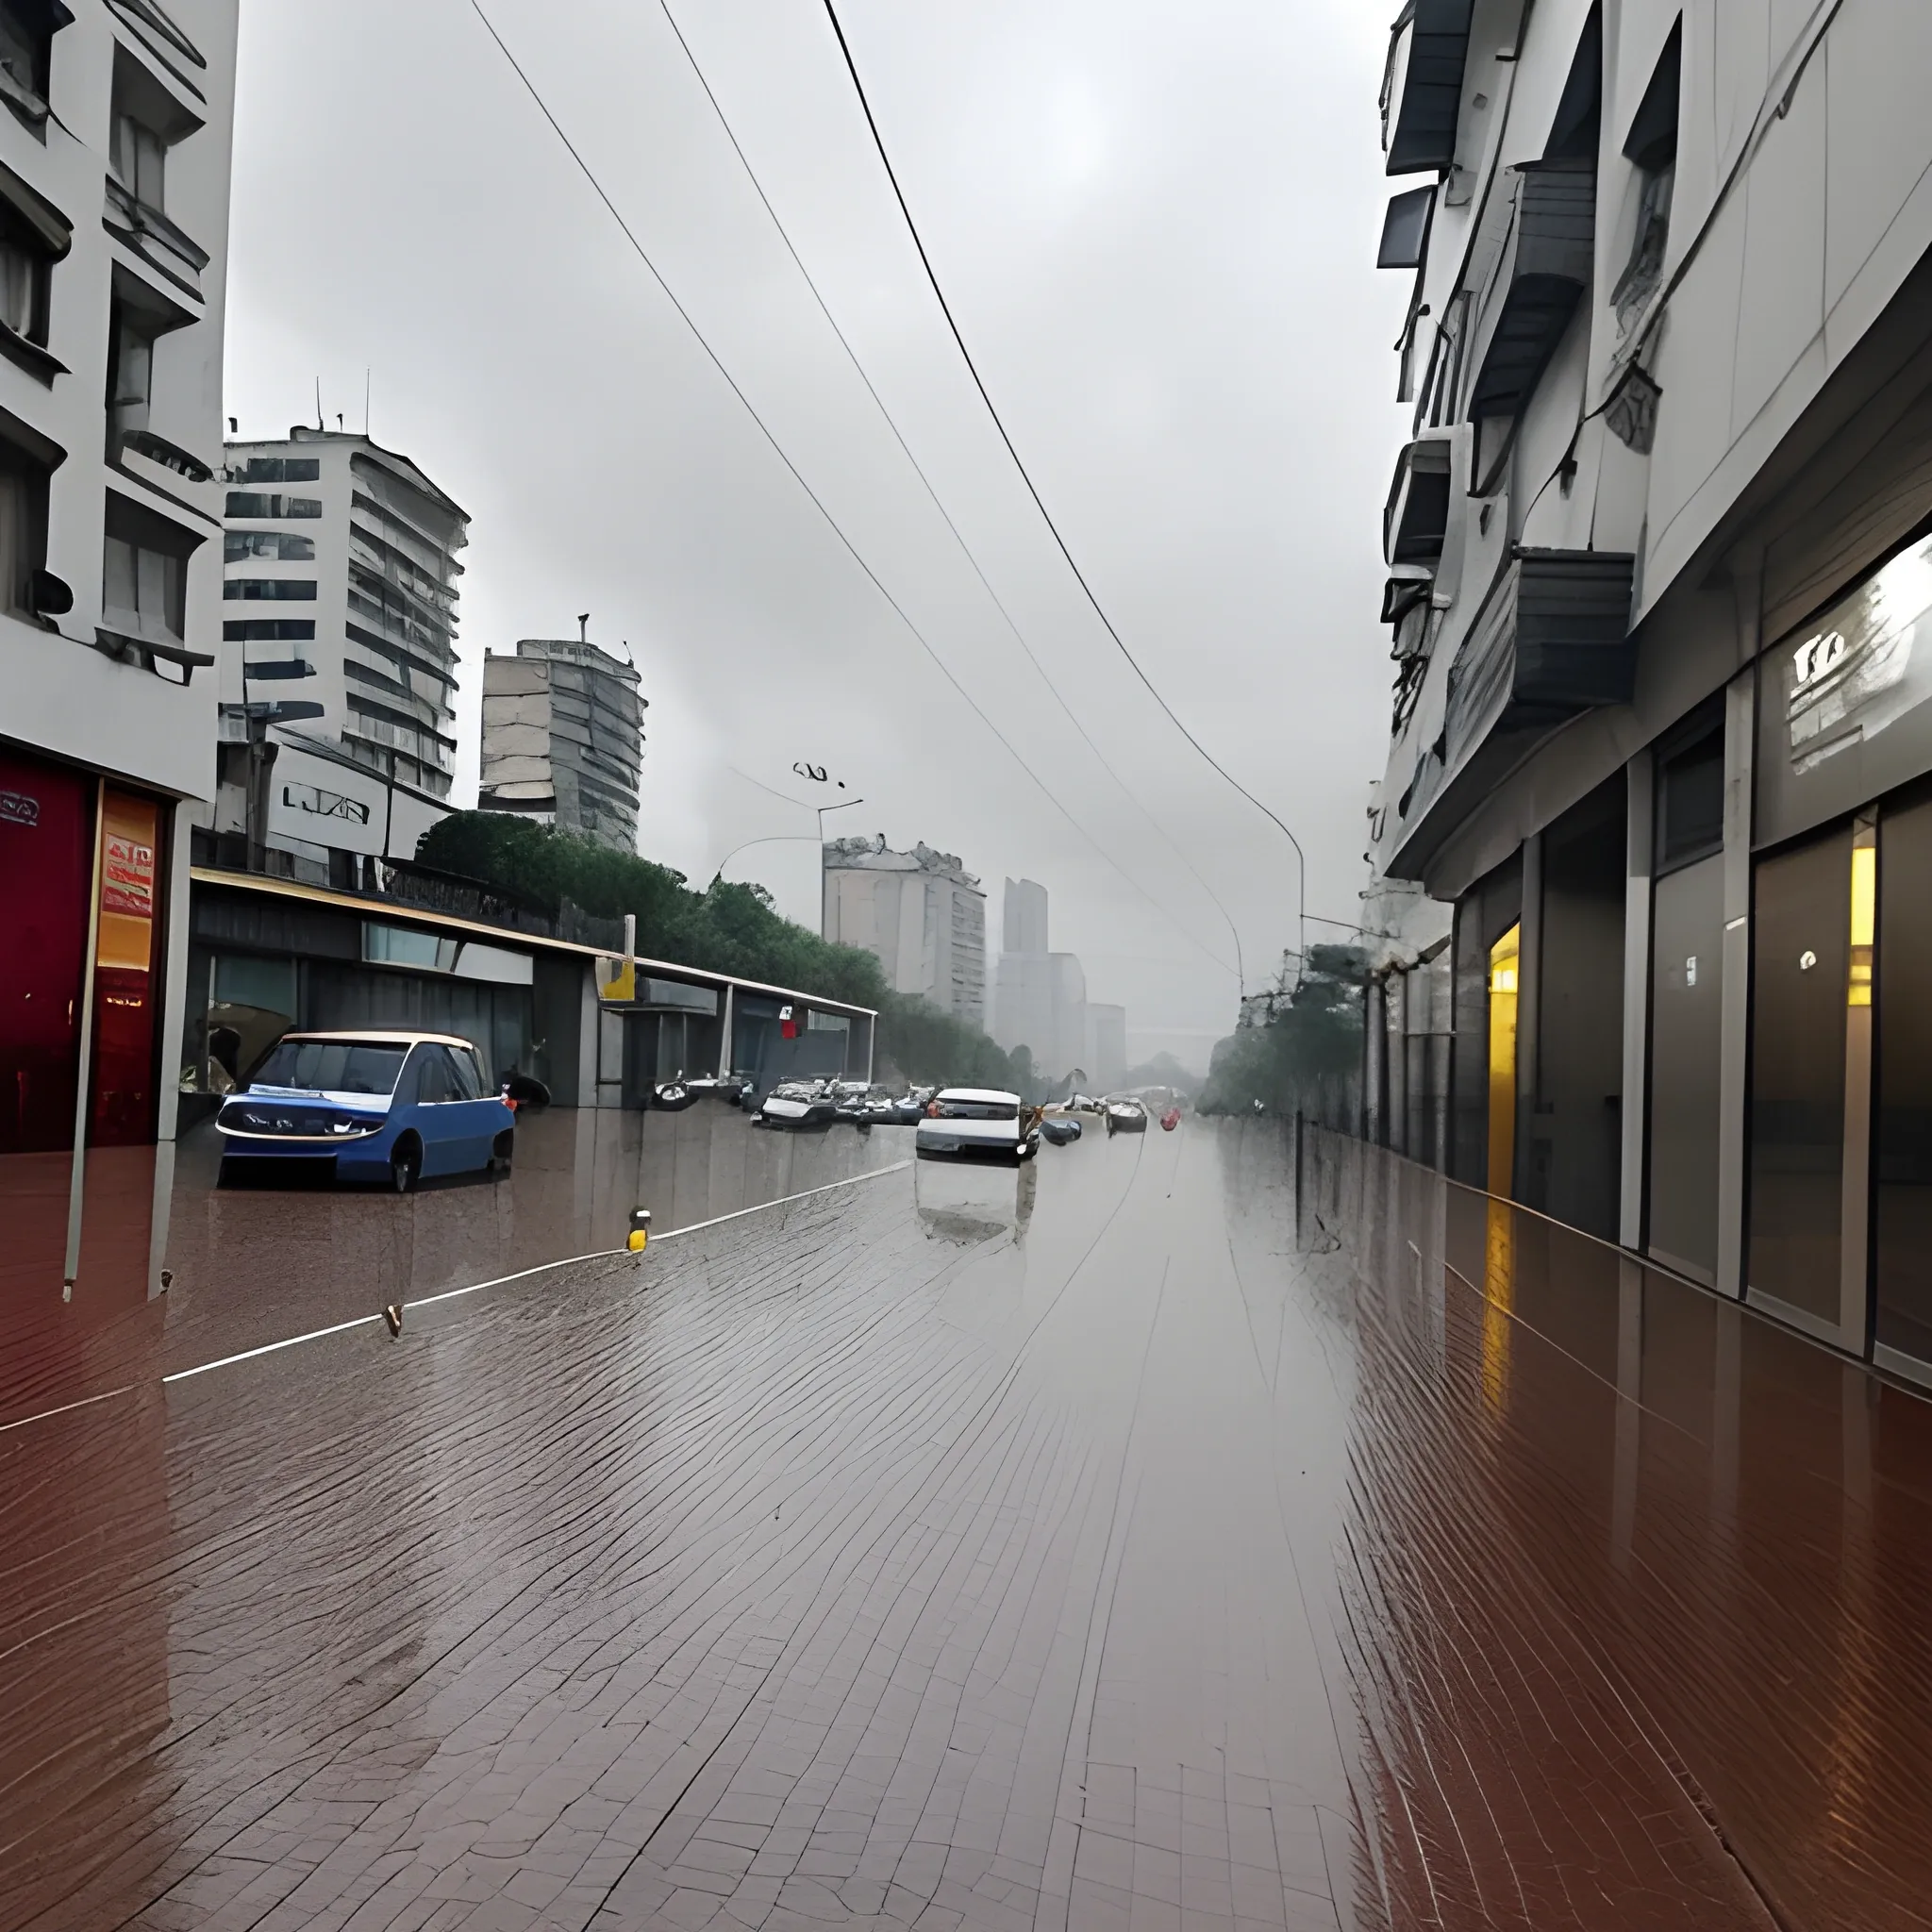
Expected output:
(249, 1355)
(66, 1407)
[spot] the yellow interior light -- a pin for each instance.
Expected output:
(1864, 923)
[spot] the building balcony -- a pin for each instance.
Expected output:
(1423, 91)
(163, 246)
(1546, 269)
(1551, 641)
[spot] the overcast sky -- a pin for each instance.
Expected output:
(1157, 229)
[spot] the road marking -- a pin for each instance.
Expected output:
(249, 1355)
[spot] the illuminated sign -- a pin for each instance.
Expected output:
(127, 876)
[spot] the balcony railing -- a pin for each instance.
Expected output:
(402, 886)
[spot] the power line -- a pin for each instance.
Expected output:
(778, 448)
(918, 470)
(945, 309)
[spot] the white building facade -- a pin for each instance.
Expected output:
(563, 738)
(115, 129)
(1661, 597)
(920, 913)
(339, 651)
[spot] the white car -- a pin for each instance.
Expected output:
(977, 1123)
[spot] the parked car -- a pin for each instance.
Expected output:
(1059, 1130)
(1125, 1117)
(798, 1104)
(977, 1123)
(369, 1106)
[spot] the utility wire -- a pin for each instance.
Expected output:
(965, 549)
(837, 529)
(945, 308)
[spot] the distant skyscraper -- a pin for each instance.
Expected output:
(1040, 997)
(1107, 1046)
(919, 913)
(563, 738)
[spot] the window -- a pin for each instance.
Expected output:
(26, 39)
(1691, 797)
(437, 1082)
(146, 122)
(329, 1066)
(138, 157)
(468, 1074)
(280, 470)
(137, 320)
(288, 589)
(242, 503)
(23, 526)
(1652, 144)
(237, 544)
(144, 572)
(277, 630)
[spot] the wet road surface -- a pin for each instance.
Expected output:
(1194, 1530)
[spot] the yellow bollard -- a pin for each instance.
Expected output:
(640, 1229)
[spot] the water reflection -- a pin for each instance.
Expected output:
(256, 1263)
(970, 1201)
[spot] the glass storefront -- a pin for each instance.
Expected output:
(1800, 983)
(1686, 1019)
(1902, 1154)
(1504, 964)
(1573, 1161)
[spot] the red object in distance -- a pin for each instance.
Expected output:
(1171, 1119)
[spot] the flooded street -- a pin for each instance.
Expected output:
(1196, 1529)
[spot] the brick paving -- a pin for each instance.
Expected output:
(1100, 1549)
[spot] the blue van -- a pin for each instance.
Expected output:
(371, 1107)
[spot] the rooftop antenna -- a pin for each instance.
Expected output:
(339, 422)
(583, 626)
(320, 428)
(365, 399)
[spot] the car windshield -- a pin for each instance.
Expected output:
(331, 1066)
(978, 1110)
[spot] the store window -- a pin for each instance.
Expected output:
(1807, 916)
(1488, 912)
(1505, 976)
(1901, 1273)
(46, 832)
(121, 1107)
(1687, 995)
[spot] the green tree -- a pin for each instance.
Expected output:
(728, 927)
(1307, 1056)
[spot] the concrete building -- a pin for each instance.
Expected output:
(339, 651)
(920, 913)
(563, 737)
(1107, 1046)
(1040, 997)
(1660, 596)
(115, 125)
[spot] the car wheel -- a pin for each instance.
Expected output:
(503, 1151)
(406, 1165)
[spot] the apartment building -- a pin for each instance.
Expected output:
(115, 126)
(920, 913)
(1659, 595)
(339, 635)
(563, 737)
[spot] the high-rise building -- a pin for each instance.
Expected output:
(920, 913)
(1040, 997)
(339, 638)
(563, 737)
(1107, 1046)
(113, 254)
